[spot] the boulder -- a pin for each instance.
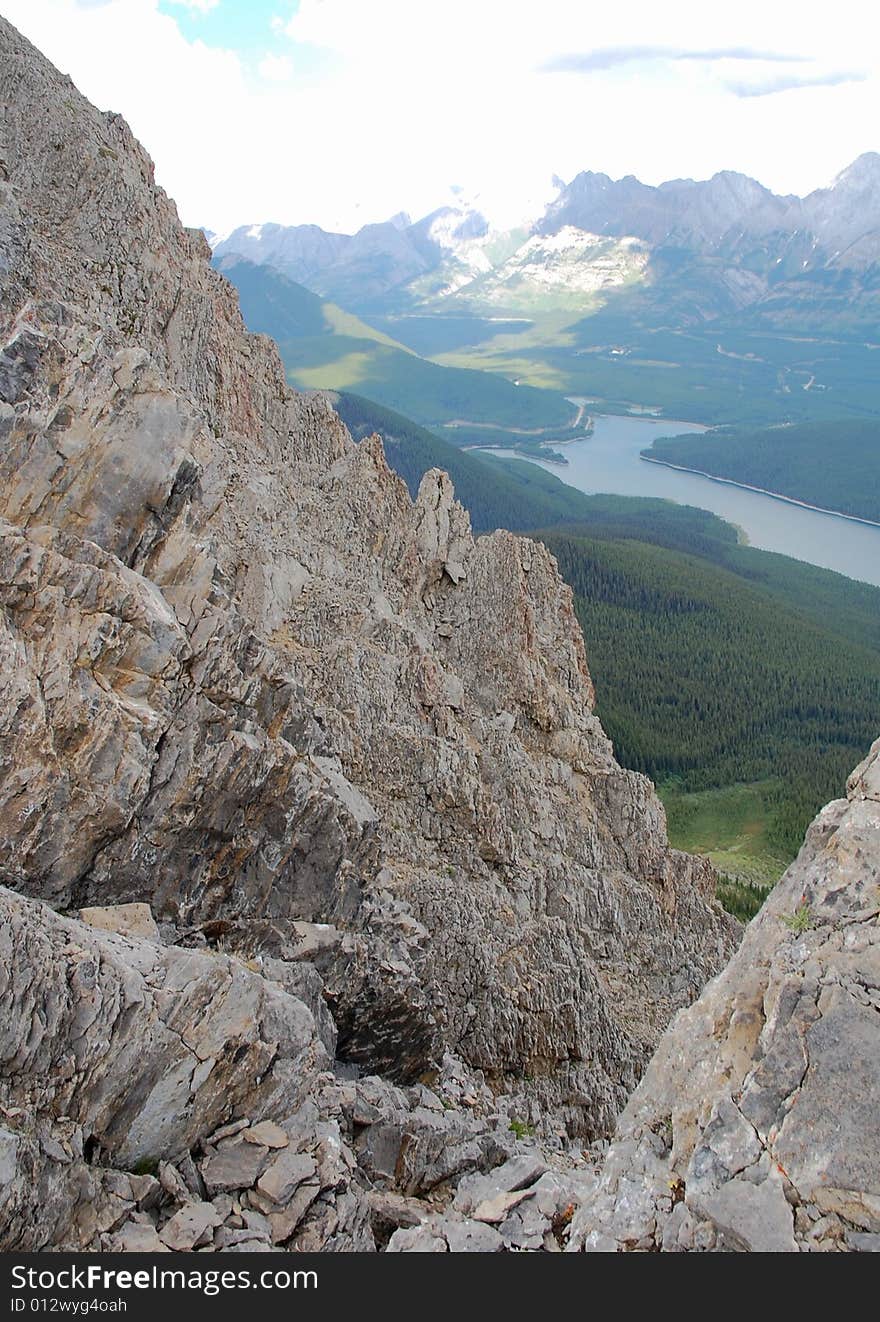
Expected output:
(233, 1164)
(190, 1227)
(126, 919)
(286, 1173)
(266, 1134)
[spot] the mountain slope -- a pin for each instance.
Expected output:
(359, 269)
(786, 261)
(253, 683)
(715, 301)
(276, 306)
(346, 751)
(681, 213)
(732, 215)
(682, 621)
(815, 258)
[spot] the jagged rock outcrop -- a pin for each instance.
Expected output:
(157, 1098)
(756, 1125)
(248, 681)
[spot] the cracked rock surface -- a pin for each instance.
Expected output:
(159, 1099)
(756, 1126)
(249, 682)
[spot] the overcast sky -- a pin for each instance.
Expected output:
(346, 111)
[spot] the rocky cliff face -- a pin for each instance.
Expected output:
(732, 214)
(249, 681)
(159, 1098)
(755, 1126)
(155, 1098)
(347, 755)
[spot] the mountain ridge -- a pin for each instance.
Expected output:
(782, 239)
(250, 685)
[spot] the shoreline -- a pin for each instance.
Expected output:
(510, 451)
(762, 491)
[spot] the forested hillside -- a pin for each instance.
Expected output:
(709, 680)
(834, 464)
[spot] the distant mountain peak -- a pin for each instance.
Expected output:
(401, 220)
(865, 169)
(760, 240)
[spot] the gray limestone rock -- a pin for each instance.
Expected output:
(497, 1209)
(284, 1222)
(233, 1164)
(757, 1112)
(134, 1237)
(471, 1237)
(142, 1049)
(517, 1173)
(248, 681)
(395, 1210)
(418, 1239)
(190, 1227)
(750, 1216)
(285, 1174)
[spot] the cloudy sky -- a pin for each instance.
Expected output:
(346, 111)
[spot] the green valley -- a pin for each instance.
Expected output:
(715, 301)
(325, 348)
(504, 375)
(729, 371)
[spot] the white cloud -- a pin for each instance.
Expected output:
(408, 97)
(203, 6)
(275, 68)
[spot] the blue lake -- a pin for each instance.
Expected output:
(608, 461)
